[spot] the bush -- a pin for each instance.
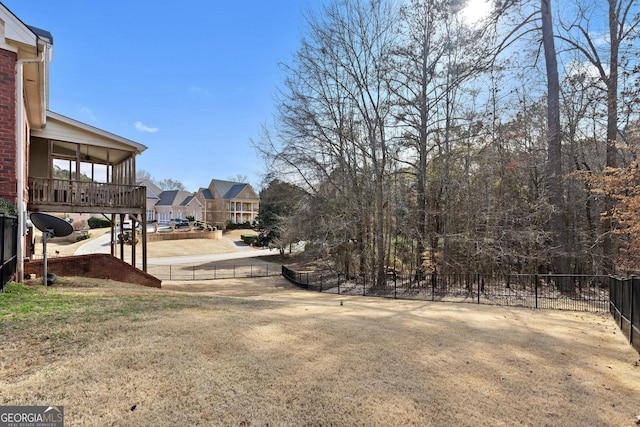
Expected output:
(238, 226)
(94, 222)
(249, 239)
(6, 207)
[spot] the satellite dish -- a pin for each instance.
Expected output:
(50, 226)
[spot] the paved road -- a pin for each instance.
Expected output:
(101, 245)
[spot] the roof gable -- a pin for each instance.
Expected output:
(205, 193)
(15, 30)
(192, 200)
(173, 198)
(230, 189)
(152, 190)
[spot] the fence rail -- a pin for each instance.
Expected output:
(213, 271)
(562, 292)
(625, 307)
(9, 250)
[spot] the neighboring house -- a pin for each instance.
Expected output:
(51, 163)
(176, 204)
(153, 197)
(222, 202)
(227, 201)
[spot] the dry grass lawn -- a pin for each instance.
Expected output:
(260, 352)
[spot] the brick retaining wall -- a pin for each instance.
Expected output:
(99, 266)
(178, 235)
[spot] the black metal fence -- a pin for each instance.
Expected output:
(563, 292)
(213, 271)
(625, 307)
(9, 249)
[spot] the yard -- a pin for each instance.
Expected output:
(261, 352)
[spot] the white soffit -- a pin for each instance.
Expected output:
(62, 128)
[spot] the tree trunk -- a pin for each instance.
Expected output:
(554, 161)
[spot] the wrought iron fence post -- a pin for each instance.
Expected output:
(364, 285)
(536, 288)
(434, 279)
(634, 281)
(478, 287)
(395, 286)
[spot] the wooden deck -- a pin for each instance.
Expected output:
(60, 195)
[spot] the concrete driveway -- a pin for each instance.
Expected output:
(101, 245)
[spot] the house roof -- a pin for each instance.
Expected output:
(43, 34)
(29, 42)
(153, 190)
(173, 198)
(17, 31)
(228, 189)
(206, 193)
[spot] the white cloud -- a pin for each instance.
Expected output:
(586, 69)
(600, 38)
(86, 112)
(197, 90)
(144, 128)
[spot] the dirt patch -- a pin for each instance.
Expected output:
(262, 352)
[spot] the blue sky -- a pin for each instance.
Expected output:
(192, 80)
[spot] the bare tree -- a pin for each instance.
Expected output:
(170, 184)
(333, 118)
(554, 174)
(580, 32)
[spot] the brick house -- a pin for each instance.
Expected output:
(218, 204)
(51, 163)
(227, 201)
(176, 204)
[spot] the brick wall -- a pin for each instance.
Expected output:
(8, 177)
(99, 266)
(179, 235)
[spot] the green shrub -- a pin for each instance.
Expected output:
(6, 207)
(249, 239)
(238, 226)
(94, 222)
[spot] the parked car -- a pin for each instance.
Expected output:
(179, 222)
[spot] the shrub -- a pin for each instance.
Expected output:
(238, 226)
(94, 222)
(6, 207)
(249, 239)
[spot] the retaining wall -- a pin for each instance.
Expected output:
(99, 266)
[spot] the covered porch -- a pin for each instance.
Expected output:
(77, 168)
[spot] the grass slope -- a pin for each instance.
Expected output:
(248, 352)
